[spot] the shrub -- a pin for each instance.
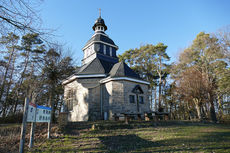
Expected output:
(15, 118)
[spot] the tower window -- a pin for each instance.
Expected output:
(110, 49)
(105, 49)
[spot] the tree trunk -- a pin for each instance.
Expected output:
(16, 102)
(220, 107)
(4, 83)
(175, 110)
(159, 97)
(10, 82)
(160, 81)
(155, 97)
(204, 110)
(212, 107)
(21, 80)
(151, 98)
(212, 112)
(198, 108)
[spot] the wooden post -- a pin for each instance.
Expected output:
(139, 117)
(116, 117)
(32, 134)
(146, 117)
(126, 119)
(23, 127)
(49, 125)
(51, 115)
(49, 129)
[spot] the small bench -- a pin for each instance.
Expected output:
(117, 116)
(128, 116)
(156, 116)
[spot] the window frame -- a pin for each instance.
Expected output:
(104, 50)
(110, 51)
(69, 99)
(141, 97)
(134, 99)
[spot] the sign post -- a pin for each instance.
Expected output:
(32, 117)
(33, 113)
(23, 127)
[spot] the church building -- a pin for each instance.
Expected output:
(103, 86)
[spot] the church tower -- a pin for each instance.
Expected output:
(100, 45)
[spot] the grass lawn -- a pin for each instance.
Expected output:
(110, 136)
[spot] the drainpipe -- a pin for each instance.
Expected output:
(138, 109)
(101, 99)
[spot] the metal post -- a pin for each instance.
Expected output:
(49, 129)
(101, 101)
(137, 103)
(23, 127)
(32, 130)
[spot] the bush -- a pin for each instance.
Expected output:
(225, 119)
(16, 118)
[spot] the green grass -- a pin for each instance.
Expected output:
(112, 136)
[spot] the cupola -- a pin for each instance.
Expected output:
(99, 25)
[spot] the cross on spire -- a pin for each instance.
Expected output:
(99, 12)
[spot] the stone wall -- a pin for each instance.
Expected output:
(86, 106)
(94, 103)
(80, 105)
(132, 107)
(117, 98)
(114, 99)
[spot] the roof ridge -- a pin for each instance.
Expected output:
(95, 62)
(119, 64)
(101, 64)
(83, 67)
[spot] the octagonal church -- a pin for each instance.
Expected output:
(103, 86)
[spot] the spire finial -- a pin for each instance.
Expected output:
(99, 12)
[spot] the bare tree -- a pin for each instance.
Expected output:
(19, 15)
(192, 85)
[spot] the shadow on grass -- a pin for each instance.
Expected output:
(213, 141)
(130, 143)
(127, 143)
(205, 141)
(210, 142)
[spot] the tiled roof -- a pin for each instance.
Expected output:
(101, 37)
(123, 70)
(96, 66)
(112, 68)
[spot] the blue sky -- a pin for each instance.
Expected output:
(132, 23)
